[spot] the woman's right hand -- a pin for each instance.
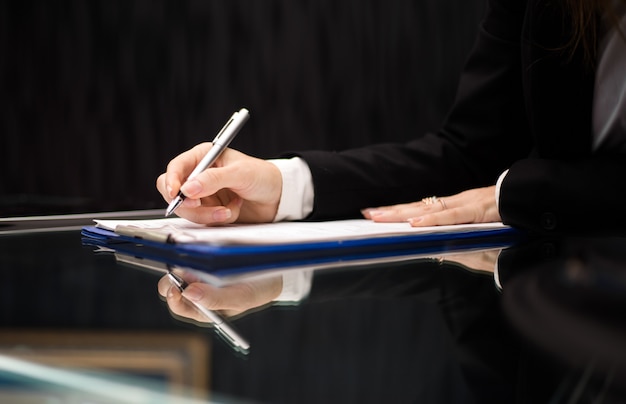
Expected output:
(237, 188)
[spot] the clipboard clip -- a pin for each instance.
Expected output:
(157, 235)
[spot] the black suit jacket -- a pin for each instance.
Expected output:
(523, 104)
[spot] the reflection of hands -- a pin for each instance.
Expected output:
(480, 261)
(231, 300)
(237, 188)
(473, 206)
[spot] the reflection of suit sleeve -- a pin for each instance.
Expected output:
(467, 302)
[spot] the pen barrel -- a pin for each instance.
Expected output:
(222, 140)
(208, 160)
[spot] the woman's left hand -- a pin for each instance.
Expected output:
(472, 206)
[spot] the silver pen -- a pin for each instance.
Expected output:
(220, 143)
(221, 326)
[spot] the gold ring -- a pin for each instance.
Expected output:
(443, 204)
(430, 200)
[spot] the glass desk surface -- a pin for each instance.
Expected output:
(540, 321)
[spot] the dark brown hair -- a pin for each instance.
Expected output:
(585, 16)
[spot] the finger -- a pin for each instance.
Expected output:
(165, 283)
(177, 305)
(217, 298)
(161, 187)
(181, 166)
(198, 212)
(209, 298)
(444, 217)
(164, 286)
(183, 309)
(211, 180)
(402, 213)
(234, 298)
(167, 192)
(368, 213)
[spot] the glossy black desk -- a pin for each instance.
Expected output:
(426, 330)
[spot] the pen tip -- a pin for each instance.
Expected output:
(173, 205)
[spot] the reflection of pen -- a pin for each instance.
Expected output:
(220, 143)
(219, 323)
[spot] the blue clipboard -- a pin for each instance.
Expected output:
(225, 260)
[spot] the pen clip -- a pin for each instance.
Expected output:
(219, 134)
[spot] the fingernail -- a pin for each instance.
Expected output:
(376, 213)
(366, 212)
(193, 293)
(415, 220)
(222, 214)
(191, 188)
(169, 191)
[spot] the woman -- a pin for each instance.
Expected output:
(536, 138)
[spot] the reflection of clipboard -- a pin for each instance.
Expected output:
(220, 262)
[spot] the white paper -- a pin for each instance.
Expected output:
(184, 231)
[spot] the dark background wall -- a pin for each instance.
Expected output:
(97, 96)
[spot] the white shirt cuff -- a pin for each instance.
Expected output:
(296, 286)
(498, 185)
(296, 201)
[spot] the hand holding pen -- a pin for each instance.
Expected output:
(220, 143)
(222, 186)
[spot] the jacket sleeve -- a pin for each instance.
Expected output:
(566, 197)
(485, 132)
